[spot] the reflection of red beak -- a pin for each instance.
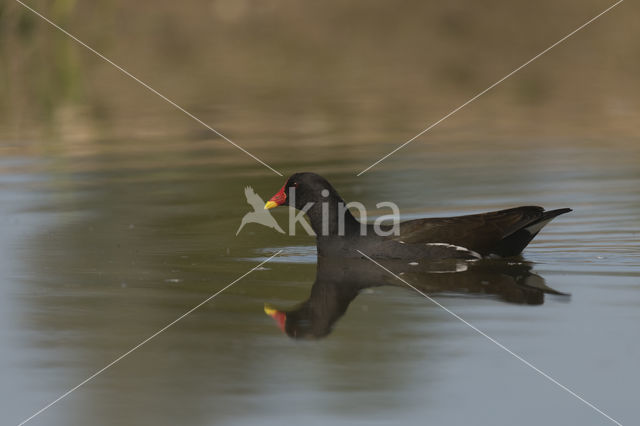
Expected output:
(280, 317)
(277, 200)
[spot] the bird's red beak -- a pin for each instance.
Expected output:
(277, 200)
(280, 317)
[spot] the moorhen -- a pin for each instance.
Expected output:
(502, 233)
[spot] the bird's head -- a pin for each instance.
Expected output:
(300, 189)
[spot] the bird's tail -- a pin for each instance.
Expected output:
(516, 242)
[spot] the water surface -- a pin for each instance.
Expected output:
(95, 260)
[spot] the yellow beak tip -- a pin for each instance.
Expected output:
(269, 310)
(270, 205)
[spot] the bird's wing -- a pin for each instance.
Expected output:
(478, 232)
(253, 199)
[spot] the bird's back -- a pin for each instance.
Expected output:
(503, 232)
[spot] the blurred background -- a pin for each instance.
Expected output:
(332, 73)
(118, 212)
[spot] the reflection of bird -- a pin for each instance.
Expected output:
(339, 281)
(259, 214)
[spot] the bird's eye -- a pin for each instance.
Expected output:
(295, 184)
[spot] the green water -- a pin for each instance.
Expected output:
(96, 258)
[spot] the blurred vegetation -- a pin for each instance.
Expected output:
(370, 71)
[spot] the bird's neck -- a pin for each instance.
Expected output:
(331, 218)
